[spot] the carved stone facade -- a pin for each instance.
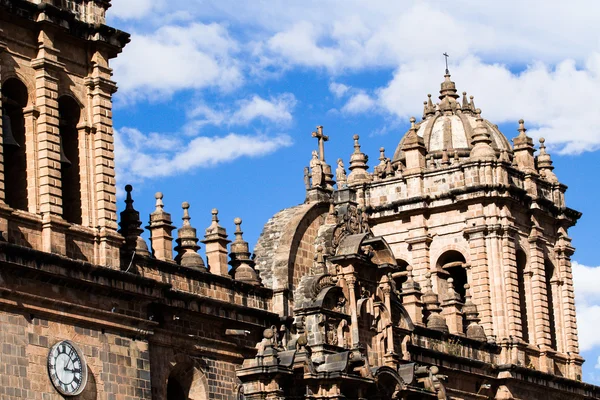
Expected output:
(443, 274)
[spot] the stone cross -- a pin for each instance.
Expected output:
(322, 139)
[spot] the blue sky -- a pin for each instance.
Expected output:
(217, 99)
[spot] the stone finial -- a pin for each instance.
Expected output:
(428, 107)
(448, 96)
(242, 266)
(472, 105)
(544, 162)
(216, 241)
(456, 158)
(358, 165)
(451, 294)
(160, 228)
(523, 150)
(414, 149)
(307, 178)
(482, 148)
(474, 330)
(187, 243)
(410, 283)
(131, 230)
(466, 107)
(432, 306)
(445, 159)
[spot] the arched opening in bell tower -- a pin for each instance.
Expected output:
(186, 381)
(521, 268)
(550, 292)
(452, 263)
(14, 100)
(69, 113)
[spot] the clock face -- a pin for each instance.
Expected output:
(67, 368)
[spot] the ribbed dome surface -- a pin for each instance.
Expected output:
(450, 126)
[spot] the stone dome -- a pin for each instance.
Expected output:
(449, 125)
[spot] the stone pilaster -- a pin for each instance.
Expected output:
(31, 115)
(2, 50)
(419, 246)
(411, 298)
(539, 293)
(515, 320)
(85, 136)
(564, 250)
(479, 279)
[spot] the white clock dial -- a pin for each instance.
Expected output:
(67, 368)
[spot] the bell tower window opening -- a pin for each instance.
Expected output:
(453, 263)
(550, 271)
(69, 113)
(521, 267)
(14, 100)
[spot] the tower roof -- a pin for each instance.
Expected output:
(450, 125)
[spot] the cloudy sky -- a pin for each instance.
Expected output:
(217, 99)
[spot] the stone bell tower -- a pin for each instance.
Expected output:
(57, 178)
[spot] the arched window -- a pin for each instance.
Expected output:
(14, 100)
(452, 263)
(69, 113)
(186, 381)
(550, 290)
(521, 267)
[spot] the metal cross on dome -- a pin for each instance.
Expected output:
(446, 55)
(322, 139)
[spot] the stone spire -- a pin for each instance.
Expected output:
(544, 163)
(160, 228)
(130, 228)
(215, 241)
(187, 243)
(523, 150)
(358, 165)
(242, 266)
(432, 305)
(474, 330)
(414, 149)
(482, 149)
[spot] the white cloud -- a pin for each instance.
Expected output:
(338, 89)
(134, 9)
(276, 109)
(359, 103)
(587, 297)
(140, 156)
(173, 58)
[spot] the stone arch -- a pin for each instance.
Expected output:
(186, 380)
(15, 97)
(389, 383)
(25, 80)
(522, 287)
(69, 112)
(452, 263)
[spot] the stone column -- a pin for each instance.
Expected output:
(564, 251)
(2, 50)
(351, 282)
(31, 115)
(47, 67)
(84, 137)
(100, 91)
(480, 280)
(511, 285)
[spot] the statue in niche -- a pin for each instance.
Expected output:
(340, 175)
(316, 170)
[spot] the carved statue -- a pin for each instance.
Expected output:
(317, 170)
(340, 175)
(307, 178)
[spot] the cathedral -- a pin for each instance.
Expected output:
(443, 272)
